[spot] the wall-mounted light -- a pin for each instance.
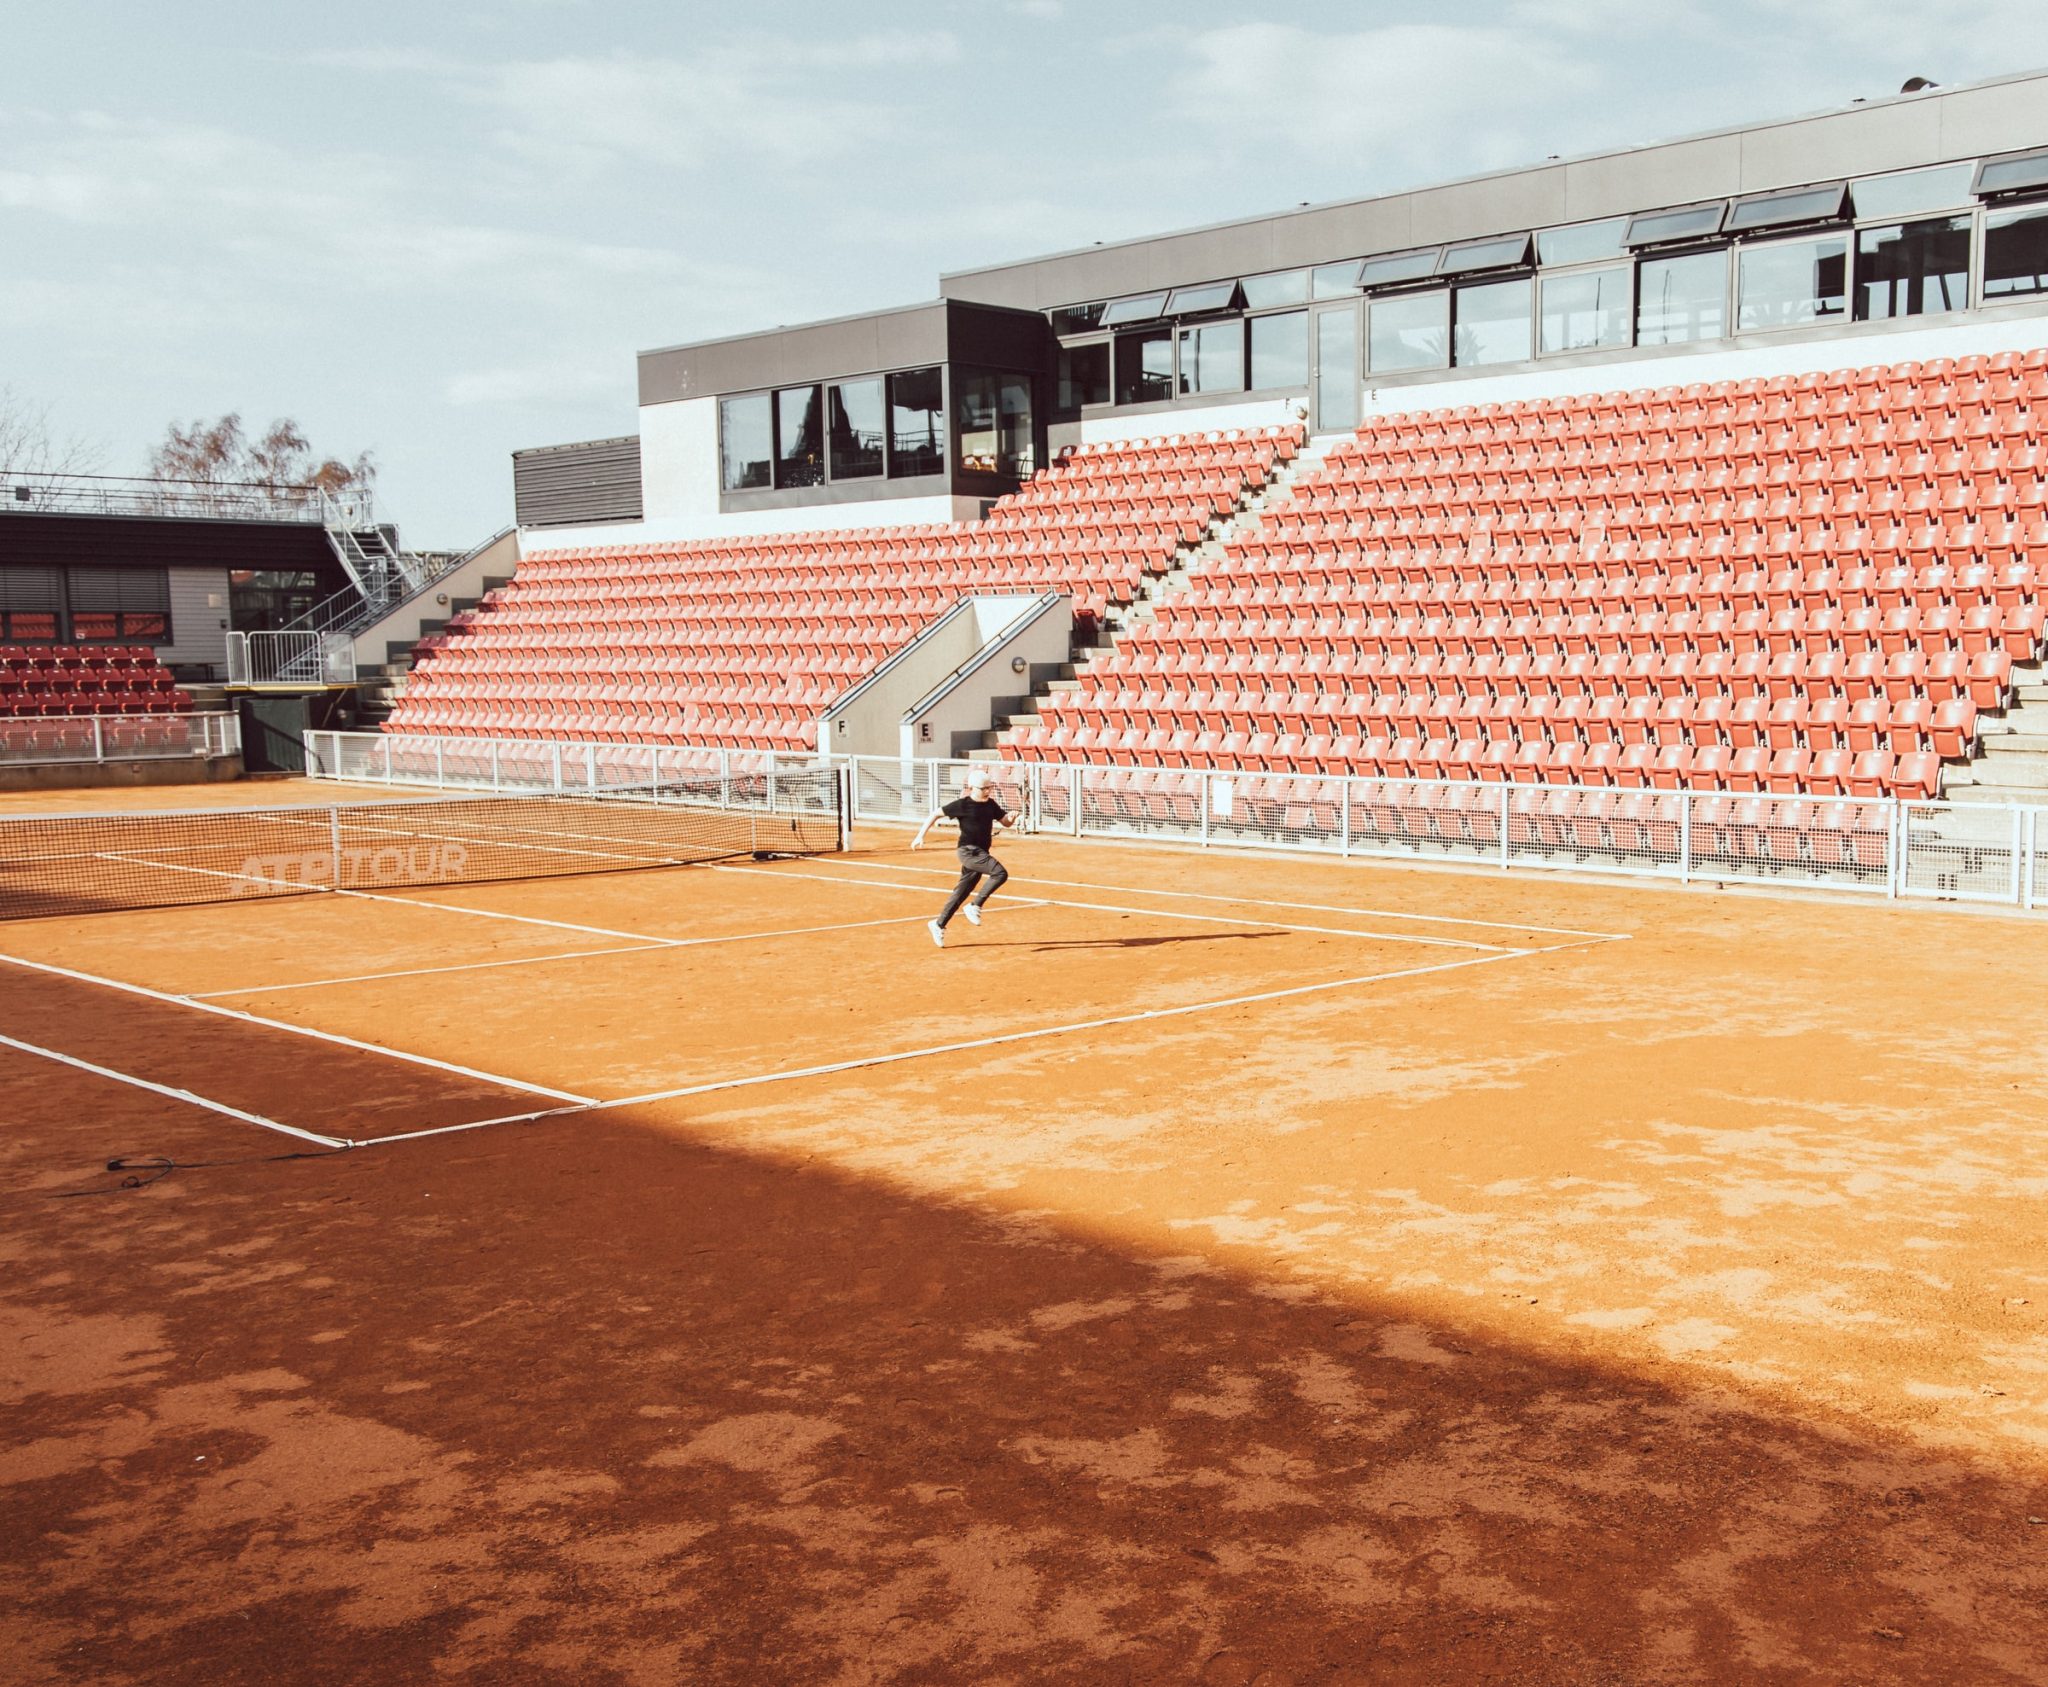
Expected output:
(1016, 664)
(440, 597)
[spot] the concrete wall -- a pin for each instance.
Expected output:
(870, 721)
(1010, 628)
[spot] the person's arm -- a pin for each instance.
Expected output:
(931, 820)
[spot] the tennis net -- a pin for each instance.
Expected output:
(84, 863)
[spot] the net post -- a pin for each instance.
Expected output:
(842, 790)
(334, 844)
(99, 739)
(1894, 850)
(1506, 820)
(1344, 818)
(590, 768)
(1685, 837)
(2019, 834)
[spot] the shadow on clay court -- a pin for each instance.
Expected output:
(1130, 942)
(603, 1385)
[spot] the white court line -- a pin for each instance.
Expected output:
(1167, 913)
(571, 955)
(297, 1030)
(1251, 901)
(186, 1096)
(895, 1056)
(416, 972)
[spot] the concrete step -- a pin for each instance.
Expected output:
(2010, 743)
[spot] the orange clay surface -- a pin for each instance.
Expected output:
(1625, 1286)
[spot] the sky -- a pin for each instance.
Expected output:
(440, 230)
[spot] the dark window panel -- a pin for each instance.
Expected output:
(1908, 191)
(1084, 374)
(1912, 269)
(1279, 351)
(1205, 300)
(799, 436)
(1782, 210)
(1144, 366)
(1682, 299)
(1492, 323)
(746, 434)
(1331, 281)
(1582, 243)
(1692, 222)
(1263, 292)
(2013, 175)
(1791, 284)
(1409, 331)
(1077, 319)
(1212, 357)
(1507, 251)
(1399, 266)
(992, 411)
(2015, 253)
(858, 430)
(917, 423)
(1143, 309)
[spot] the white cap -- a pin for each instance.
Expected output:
(977, 779)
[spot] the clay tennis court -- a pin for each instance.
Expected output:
(1215, 1268)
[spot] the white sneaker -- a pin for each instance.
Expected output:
(973, 914)
(938, 933)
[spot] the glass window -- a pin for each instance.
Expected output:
(745, 441)
(1582, 243)
(1399, 266)
(1781, 210)
(1202, 301)
(1410, 331)
(1144, 366)
(1492, 323)
(1120, 311)
(1280, 351)
(1289, 287)
(1337, 369)
(1653, 228)
(1795, 282)
(31, 603)
(1076, 319)
(2007, 175)
(1212, 357)
(992, 411)
(1502, 253)
(799, 437)
(1912, 269)
(1912, 190)
(917, 423)
(856, 440)
(1333, 281)
(1084, 374)
(1681, 299)
(116, 604)
(1585, 311)
(2015, 252)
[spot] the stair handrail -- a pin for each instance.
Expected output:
(351, 610)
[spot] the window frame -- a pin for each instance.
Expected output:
(1741, 249)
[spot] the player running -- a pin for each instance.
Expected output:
(978, 818)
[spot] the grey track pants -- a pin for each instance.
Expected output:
(975, 865)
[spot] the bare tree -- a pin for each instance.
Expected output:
(27, 447)
(273, 471)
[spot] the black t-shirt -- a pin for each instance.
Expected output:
(977, 820)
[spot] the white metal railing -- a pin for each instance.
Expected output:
(55, 739)
(290, 659)
(104, 494)
(1875, 846)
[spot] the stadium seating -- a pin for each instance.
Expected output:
(744, 642)
(53, 680)
(1810, 584)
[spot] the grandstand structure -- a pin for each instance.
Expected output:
(1714, 465)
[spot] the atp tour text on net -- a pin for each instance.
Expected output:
(346, 869)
